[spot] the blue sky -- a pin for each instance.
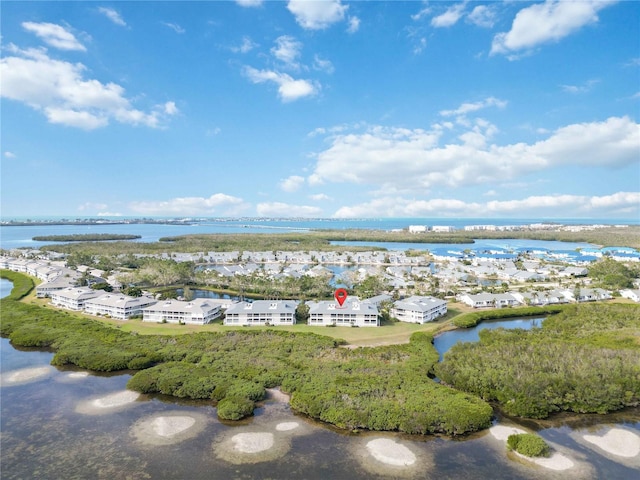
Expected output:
(321, 109)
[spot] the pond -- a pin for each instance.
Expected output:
(446, 340)
(5, 287)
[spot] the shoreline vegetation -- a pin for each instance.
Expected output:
(321, 240)
(85, 237)
(583, 359)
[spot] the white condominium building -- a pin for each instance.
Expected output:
(117, 306)
(73, 298)
(196, 312)
(418, 309)
(352, 313)
(262, 312)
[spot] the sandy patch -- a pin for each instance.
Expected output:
(71, 377)
(618, 442)
(276, 395)
(502, 432)
(25, 375)
(556, 461)
(108, 403)
(251, 447)
(168, 428)
(286, 426)
(390, 457)
(390, 452)
(252, 442)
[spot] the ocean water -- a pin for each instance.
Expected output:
(22, 236)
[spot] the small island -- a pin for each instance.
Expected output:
(86, 237)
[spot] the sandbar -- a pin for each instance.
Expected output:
(286, 426)
(251, 447)
(252, 442)
(502, 432)
(617, 441)
(168, 427)
(556, 461)
(108, 403)
(25, 375)
(390, 452)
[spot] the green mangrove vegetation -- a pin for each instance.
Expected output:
(585, 359)
(528, 444)
(472, 319)
(85, 237)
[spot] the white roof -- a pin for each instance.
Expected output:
(264, 306)
(419, 304)
(122, 301)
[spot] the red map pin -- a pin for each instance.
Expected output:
(340, 295)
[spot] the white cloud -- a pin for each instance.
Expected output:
(9, 155)
(322, 65)
(287, 50)
(474, 107)
(218, 203)
(354, 25)
(109, 214)
(292, 183)
(421, 14)
(249, 3)
(170, 108)
(584, 88)
(320, 197)
(54, 35)
(412, 160)
(550, 206)
(112, 15)
(317, 14)
(482, 16)
(175, 27)
(420, 45)
(278, 209)
(59, 90)
(89, 206)
(450, 17)
(547, 22)
(245, 47)
(289, 89)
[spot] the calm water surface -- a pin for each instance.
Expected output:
(446, 340)
(5, 287)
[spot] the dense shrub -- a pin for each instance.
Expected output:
(472, 319)
(528, 444)
(585, 359)
(234, 408)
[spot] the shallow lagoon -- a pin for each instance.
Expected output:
(41, 422)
